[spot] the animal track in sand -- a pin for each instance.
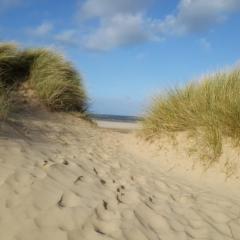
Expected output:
(69, 199)
(105, 205)
(65, 162)
(103, 182)
(80, 178)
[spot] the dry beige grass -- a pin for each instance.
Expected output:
(210, 106)
(55, 81)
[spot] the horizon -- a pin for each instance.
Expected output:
(129, 51)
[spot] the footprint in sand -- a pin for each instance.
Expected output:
(69, 199)
(79, 179)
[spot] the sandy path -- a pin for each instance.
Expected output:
(62, 179)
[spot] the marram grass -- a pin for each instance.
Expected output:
(54, 80)
(7, 50)
(9, 65)
(211, 106)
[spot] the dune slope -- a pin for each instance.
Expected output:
(64, 179)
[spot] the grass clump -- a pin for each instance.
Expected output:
(211, 106)
(54, 80)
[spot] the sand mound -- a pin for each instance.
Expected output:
(64, 179)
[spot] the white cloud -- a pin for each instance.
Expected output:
(42, 30)
(121, 23)
(109, 8)
(125, 22)
(116, 23)
(197, 15)
(109, 24)
(120, 30)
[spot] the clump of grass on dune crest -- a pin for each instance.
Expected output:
(56, 82)
(211, 106)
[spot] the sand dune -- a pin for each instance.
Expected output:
(64, 179)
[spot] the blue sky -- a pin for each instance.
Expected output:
(129, 50)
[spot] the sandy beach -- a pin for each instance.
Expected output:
(65, 179)
(118, 125)
(120, 120)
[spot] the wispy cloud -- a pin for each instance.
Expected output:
(121, 23)
(68, 37)
(197, 16)
(7, 4)
(42, 30)
(120, 30)
(109, 8)
(126, 22)
(114, 24)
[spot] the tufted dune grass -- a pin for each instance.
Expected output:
(210, 107)
(10, 67)
(8, 61)
(54, 80)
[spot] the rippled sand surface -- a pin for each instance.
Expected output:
(63, 179)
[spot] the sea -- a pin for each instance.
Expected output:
(116, 118)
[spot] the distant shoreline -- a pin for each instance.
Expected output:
(117, 122)
(115, 118)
